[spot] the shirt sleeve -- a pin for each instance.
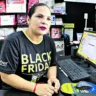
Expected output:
(9, 58)
(53, 55)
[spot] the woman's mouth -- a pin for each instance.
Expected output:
(43, 28)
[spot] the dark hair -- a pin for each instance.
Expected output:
(33, 8)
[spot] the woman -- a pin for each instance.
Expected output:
(27, 55)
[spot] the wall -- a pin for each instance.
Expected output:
(75, 14)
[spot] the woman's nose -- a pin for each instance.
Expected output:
(44, 21)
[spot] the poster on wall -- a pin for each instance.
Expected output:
(55, 33)
(31, 2)
(7, 20)
(49, 3)
(70, 33)
(2, 7)
(4, 32)
(21, 19)
(16, 6)
(60, 49)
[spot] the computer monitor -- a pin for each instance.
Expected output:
(87, 47)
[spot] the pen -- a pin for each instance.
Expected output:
(63, 72)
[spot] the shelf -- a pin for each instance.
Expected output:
(57, 14)
(11, 13)
(7, 26)
(57, 26)
(26, 13)
(22, 25)
(52, 26)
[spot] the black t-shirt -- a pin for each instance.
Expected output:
(19, 55)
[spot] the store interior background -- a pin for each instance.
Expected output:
(75, 14)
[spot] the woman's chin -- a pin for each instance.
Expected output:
(43, 33)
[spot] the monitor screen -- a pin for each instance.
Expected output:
(87, 47)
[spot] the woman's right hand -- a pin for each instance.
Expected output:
(44, 90)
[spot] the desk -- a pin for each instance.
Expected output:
(22, 93)
(15, 93)
(92, 78)
(60, 76)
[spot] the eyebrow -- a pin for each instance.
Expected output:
(43, 15)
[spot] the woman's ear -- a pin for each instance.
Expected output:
(28, 20)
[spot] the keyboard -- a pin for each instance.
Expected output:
(74, 71)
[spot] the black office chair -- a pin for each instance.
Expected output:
(0, 82)
(67, 44)
(1, 43)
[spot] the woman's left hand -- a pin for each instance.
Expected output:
(56, 83)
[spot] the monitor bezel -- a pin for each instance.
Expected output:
(79, 55)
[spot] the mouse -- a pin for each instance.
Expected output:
(83, 85)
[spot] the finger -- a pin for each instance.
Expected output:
(56, 89)
(51, 87)
(49, 82)
(48, 94)
(51, 91)
(57, 84)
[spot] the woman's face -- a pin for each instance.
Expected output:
(40, 21)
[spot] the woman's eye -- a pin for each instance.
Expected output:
(49, 19)
(39, 16)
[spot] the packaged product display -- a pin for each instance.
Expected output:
(21, 19)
